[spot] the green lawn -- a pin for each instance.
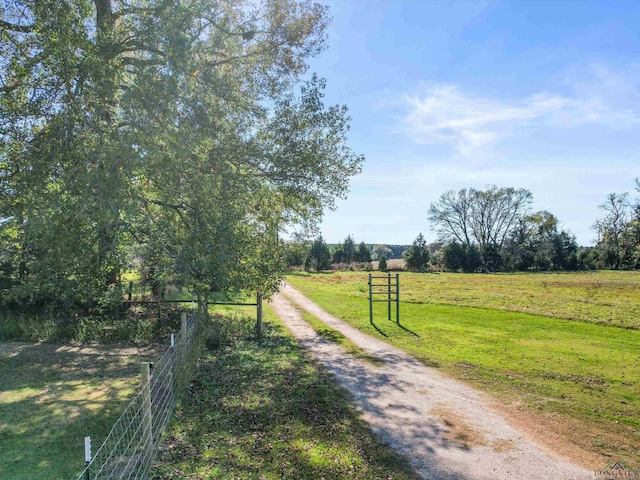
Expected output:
(52, 396)
(262, 409)
(581, 373)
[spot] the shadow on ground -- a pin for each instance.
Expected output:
(52, 396)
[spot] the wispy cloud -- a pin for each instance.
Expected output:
(448, 113)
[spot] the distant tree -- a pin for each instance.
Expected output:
(476, 216)
(564, 251)
(349, 249)
(363, 254)
(456, 257)
(611, 229)
(589, 258)
(382, 263)
(296, 254)
(338, 254)
(417, 257)
(472, 259)
(451, 216)
(537, 244)
(491, 258)
(379, 250)
(320, 254)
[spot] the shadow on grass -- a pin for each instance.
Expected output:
(407, 330)
(52, 396)
(264, 409)
(378, 329)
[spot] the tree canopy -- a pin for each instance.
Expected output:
(181, 134)
(417, 257)
(484, 217)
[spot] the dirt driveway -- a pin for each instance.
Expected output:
(444, 427)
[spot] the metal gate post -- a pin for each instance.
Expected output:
(389, 296)
(370, 302)
(398, 298)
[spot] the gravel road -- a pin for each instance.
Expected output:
(445, 428)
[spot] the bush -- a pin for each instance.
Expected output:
(227, 329)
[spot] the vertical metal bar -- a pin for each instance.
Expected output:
(147, 419)
(389, 296)
(398, 298)
(370, 303)
(183, 326)
(173, 341)
(259, 324)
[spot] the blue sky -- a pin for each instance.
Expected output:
(543, 95)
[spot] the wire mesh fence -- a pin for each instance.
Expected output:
(130, 447)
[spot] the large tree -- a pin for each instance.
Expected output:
(537, 244)
(180, 127)
(475, 216)
(619, 231)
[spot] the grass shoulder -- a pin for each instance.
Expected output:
(583, 375)
(333, 335)
(264, 408)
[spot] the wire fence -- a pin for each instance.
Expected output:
(131, 446)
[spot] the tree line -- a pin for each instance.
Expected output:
(318, 255)
(177, 138)
(494, 230)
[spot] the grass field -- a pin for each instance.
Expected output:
(52, 396)
(262, 409)
(543, 343)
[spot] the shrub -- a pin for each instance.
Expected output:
(382, 263)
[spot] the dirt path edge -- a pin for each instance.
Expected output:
(446, 429)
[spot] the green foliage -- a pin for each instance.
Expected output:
(363, 254)
(349, 249)
(417, 256)
(382, 263)
(338, 254)
(296, 254)
(181, 136)
(144, 327)
(536, 244)
(320, 256)
(379, 250)
(466, 258)
(226, 329)
(619, 231)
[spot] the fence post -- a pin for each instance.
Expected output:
(370, 302)
(147, 419)
(183, 326)
(398, 298)
(389, 296)
(259, 324)
(87, 456)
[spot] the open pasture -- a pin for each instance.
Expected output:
(558, 351)
(604, 297)
(52, 396)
